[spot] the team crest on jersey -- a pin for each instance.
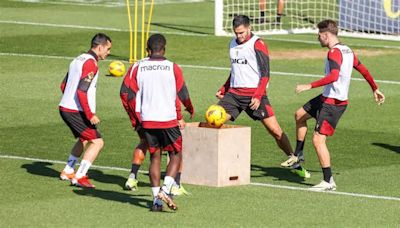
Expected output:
(89, 77)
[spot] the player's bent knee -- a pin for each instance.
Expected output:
(98, 142)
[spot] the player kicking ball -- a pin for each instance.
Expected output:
(328, 107)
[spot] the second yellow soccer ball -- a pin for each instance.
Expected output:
(215, 116)
(116, 68)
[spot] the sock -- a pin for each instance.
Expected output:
(178, 179)
(135, 169)
(69, 168)
(262, 14)
(83, 168)
(132, 176)
(168, 182)
(155, 191)
(278, 17)
(297, 166)
(299, 147)
(327, 174)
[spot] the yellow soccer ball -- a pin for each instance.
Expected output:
(215, 116)
(116, 68)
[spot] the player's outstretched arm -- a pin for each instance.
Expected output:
(302, 87)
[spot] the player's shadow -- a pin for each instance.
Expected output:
(388, 147)
(180, 28)
(99, 176)
(41, 169)
(136, 200)
(281, 174)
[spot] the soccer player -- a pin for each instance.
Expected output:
(279, 11)
(78, 109)
(245, 88)
(139, 153)
(158, 87)
(328, 107)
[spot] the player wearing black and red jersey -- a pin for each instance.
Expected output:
(78, 109)
(245, 89)
(328, 107)
(158, 89)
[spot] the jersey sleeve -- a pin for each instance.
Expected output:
(182, 91)
(262, 57)
(364, 72)
(64, 83)
(89, 70)
(133, 89)
(226, 86)
(335, 60)
(127, 94)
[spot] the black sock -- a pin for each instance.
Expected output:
(299, 147)
(278, 17)
(178, 178)
(299, 167)
(135, 169)
(262, 14)
(327, 174)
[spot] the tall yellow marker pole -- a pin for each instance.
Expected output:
(143, 28)
(130, 31)
(149, 20)
(135, 32)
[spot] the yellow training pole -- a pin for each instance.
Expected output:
(143, 29)
(149, 20)
(130, 31)
(135, 32)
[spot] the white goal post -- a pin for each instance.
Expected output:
(375, 19)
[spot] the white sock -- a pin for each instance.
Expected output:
(168, 182)
(83, 168)
(72, 160)
(132, 176)
(155, 191)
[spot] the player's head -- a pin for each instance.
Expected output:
(156, 44)
(241, 27)
(101, 45)
(327, 30)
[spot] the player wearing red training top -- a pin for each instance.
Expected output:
(78, 109)
(245, 89)
(139, 152)
(328, 107)
(158, 89)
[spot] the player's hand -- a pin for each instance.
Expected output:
(379, 97)
(181, 124)
(191, 112)
(302, 87)
(254, 104)
(219, 95)
(95, 120)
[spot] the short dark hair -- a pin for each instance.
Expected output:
(239, 20)
(100, 39)
(328, 26)
(156, 43)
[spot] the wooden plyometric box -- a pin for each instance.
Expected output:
(216, 157)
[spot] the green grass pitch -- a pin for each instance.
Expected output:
(38, 40)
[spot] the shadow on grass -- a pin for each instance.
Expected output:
(281, 174)
(136, 200)
(388, 147)
(44, 169)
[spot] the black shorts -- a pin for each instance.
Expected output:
(80, 125)
(327, 115)
(169, 139)
(234, 104)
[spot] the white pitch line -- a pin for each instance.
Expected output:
(95, 28)
(253, 183)
(108, 4)
(180, 33)
(200, 67)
